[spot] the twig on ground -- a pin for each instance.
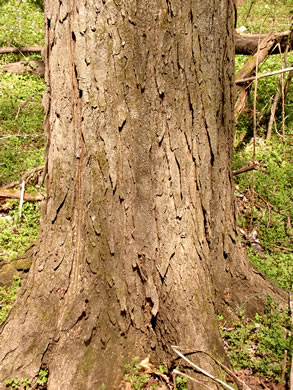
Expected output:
(260, 76)
(23, 105)
(284, 369)
(175, 349)
(22, 49)
(274, 209)
(245, 169)
(228, 371)
(177, 372)
(225, 368)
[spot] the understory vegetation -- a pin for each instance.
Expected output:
(261, 346)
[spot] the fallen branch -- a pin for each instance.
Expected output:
(245, 169)
(16, 194)
(21, 49)
(250, 65)
(249, 69)
(246, 44)
(31, 67)
(276, 101)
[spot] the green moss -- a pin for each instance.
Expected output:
(23, 264)
(87, 364)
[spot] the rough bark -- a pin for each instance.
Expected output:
(138, 248)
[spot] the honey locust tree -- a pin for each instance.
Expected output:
(138, 247)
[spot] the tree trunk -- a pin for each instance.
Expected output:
(138, 247)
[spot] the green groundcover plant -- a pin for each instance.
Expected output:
(259, 344)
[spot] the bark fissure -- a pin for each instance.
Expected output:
(59, 208)
(79, 151)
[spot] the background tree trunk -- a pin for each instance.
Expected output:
(138, 248)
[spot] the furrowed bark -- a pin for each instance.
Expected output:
(138, 249)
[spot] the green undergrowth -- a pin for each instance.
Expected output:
(265, 15)
(22, 24)
(22, 137)
(40, 382)
(264, 200)
(266, 90)
(265, 196)
(17, 234)
(259, 344)
(145, 376)
(266, 208)
(7, 297)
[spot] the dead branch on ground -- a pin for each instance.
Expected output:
(16, 194)
(246, 44)
(21, 49)
(31, 67)
(249, 69)
(245, 169)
